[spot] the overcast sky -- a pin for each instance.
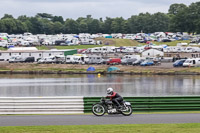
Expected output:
(81, 8)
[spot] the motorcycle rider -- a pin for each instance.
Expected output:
(114, 97)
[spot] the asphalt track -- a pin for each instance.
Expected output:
(36, 120)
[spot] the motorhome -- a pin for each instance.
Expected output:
(52, 59)
(174, 49)
(77, 59)
(194, 62)
(191, 49)
(3, 43)
(128, 50)
(69, 59)
(96, 60)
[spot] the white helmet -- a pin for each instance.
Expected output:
(109, 90)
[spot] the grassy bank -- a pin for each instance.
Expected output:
(174, 43)
(109, 42)
(23, 67)
(136, 128)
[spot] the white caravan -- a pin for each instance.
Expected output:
(77, 59)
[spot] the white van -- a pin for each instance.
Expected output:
(15, 59)
(77, 59)
(194, 62)
(69, 59)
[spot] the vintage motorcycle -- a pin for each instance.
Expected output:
(107, 106)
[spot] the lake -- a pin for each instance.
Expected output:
(92, 85)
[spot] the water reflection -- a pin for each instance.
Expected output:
(91, 85)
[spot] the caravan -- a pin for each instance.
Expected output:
(96, 60)
(77, 59)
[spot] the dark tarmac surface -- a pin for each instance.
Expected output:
(36, 120)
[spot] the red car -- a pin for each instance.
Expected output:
(114, 61)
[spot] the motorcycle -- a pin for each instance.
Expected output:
(107, 106)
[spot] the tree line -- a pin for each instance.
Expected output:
(180, 18)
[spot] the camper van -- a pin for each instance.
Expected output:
(15, 59)
(194, 62)
(52, 59)
(77, 59)
(69, 59)
(96, 60)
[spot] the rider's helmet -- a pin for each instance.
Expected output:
(109, 91)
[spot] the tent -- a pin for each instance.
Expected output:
(76, 36)
(110, 69)
(91, 69)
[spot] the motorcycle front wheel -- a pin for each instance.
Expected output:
(128, 111)
(98, 110)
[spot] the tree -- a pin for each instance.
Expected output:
(44, 15)
(176, 8)
(23, 18)
(160, 22)
(83, 27)
(7, 16)
(58, 19)
(8, 25)
(117, 25)
(193, 18)
(58, 27)
(94, 26)
(107, 25)
(71, 26)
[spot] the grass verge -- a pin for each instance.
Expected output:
(134, 128)
(173, 43)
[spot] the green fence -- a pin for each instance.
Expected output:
(70, 52)
(154, 104)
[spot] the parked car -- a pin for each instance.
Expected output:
(28, 59)
(179, 63)
(114, 61)
(147, 63)
(137, 62)
(128, 61)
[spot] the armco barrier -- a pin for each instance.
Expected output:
(154, 104)
(41, 105)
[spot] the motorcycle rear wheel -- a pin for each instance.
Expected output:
(98, 110)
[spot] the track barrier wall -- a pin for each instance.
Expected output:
(79, 105)
(41, 105)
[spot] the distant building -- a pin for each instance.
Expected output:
(38, 54)
(152, 53)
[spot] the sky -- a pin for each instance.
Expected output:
(80, 8)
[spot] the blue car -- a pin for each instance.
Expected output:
(147, 63)
(179, 63)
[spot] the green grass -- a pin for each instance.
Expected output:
(124, 42)
(111, 41)
(77, 47)
(42, 47)
(136, 128)
(1, 48)
(174, 43)
(52, 69)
